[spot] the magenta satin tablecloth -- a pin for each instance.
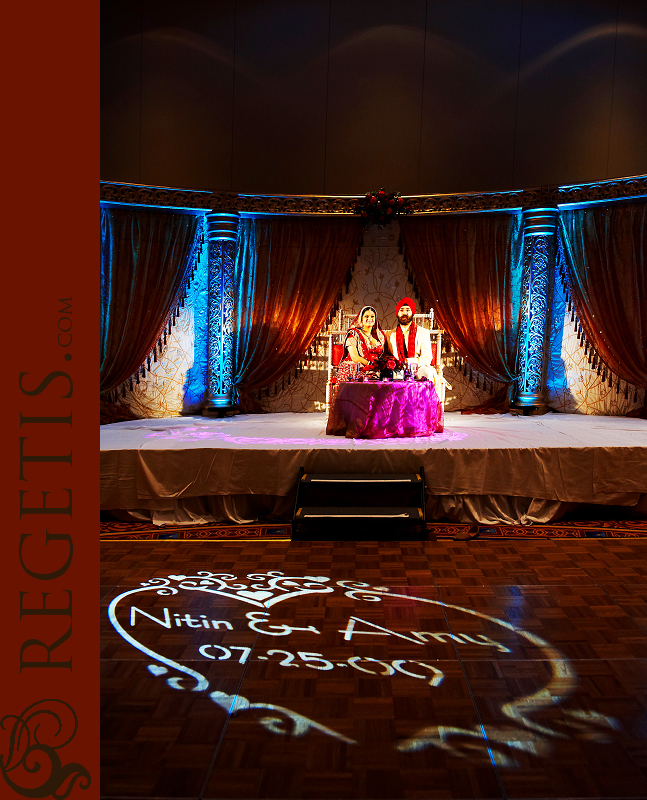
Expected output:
(384, 410)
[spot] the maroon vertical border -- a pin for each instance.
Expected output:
(50, 254)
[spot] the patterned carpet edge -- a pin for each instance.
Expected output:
(113, 531)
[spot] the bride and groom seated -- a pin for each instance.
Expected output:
(366, 342)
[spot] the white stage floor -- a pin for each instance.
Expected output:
(555, 457)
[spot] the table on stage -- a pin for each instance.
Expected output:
(385, 410)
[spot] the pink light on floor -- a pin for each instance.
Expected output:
(197, 433)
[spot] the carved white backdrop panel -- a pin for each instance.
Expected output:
(573, 387)
(176, 383)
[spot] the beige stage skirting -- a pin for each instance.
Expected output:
(486, 469)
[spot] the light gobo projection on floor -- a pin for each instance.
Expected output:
(364, 634)
(196, 433)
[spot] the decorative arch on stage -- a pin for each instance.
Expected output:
(210, 299)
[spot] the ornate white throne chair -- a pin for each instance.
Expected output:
(427, 321)
(336, 337)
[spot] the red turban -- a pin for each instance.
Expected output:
(406, 301)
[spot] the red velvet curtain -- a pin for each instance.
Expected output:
(605, 253)
(145, 258)
(288, 275)
(470, 267)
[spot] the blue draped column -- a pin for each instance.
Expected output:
(539, 226)
(222, 232)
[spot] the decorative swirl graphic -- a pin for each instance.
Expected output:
(530, 736)
(174, 682)
(263, 593)
(34, 737)
(259, 592)
(363, 591)
(232, 704)
(497, 742)
(163, 586)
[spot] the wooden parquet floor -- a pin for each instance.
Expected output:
(277, 669)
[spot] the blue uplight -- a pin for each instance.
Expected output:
(197, 299)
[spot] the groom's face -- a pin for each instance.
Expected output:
(404, 315)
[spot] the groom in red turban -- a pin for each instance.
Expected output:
(411, 341)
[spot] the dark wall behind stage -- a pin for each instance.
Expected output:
(342, 96)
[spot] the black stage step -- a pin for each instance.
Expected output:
(383, 512)
(359, 477)
(351, 506)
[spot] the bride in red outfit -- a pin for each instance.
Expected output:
(363, 345)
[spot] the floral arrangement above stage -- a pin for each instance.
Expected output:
(379, 208)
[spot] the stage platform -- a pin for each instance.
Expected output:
(498, 468)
